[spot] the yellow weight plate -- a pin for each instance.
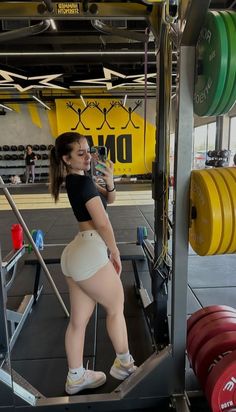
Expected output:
(232, 170)
(231, 184)
(226, 210)
(206, 228)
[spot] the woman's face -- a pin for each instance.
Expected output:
(29, 149)
(80, 157)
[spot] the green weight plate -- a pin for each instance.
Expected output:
(230, 85)
(232, 98)
(212, 50)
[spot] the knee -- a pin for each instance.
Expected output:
(79, 323)
(116, 308)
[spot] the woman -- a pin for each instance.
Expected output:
(91, 275)
(30, 158)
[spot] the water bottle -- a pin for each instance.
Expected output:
(17, 236)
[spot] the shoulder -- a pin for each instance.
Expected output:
(83, 183)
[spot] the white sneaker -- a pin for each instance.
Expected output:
(121, 371)
(89, 380)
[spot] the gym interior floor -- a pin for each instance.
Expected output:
(38, 354)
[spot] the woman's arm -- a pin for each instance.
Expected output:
(110, 191)
(103, 226)
(110, 196)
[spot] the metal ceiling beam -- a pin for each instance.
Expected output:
(22, 10)
(73, 39)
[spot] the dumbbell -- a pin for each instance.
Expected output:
(21, 148)
(6, 148)
(21, 157)
(234, 159)
(50, 146)
(43, 147)
(225, 153)
(210, 162)
(14, 148)
(36, 147)
(209, 153)
(44, 156)
(221, 163)
(7, 157)
(14, 157)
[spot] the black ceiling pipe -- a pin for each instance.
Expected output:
(25, 31)
(106, 29)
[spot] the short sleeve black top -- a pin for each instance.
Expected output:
(29, 159)
(80, 189)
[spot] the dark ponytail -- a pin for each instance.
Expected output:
(57, 168)
(56, 174)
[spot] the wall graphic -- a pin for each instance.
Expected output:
(120, 128)
(103, 121)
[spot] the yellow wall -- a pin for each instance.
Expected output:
(107, 122)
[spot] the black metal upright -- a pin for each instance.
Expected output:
(160, 269)
(4, 344)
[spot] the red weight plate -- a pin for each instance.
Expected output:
(199, 314)
(215, 328)
(212, 352)
(202, 324)
(220, 386)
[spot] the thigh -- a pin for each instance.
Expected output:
(105, 287)
(82, 305)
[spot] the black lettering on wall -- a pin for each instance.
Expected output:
(119, 149)
(90, 140)
(110, 145)
(124, 148)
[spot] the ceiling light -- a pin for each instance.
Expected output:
(83, 101)
(6, 107)
(42, 103)
(53, 24)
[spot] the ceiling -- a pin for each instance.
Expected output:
(81, 46)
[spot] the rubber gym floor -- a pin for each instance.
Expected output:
(38, 354)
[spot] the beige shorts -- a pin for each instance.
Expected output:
(84, 256)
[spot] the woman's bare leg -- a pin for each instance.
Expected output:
(82, 307)
(105, 287)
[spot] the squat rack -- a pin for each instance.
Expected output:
(160, 380)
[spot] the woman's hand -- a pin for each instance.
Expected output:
(107, 171)
(115, 260)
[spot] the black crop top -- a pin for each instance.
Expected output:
(80, 189)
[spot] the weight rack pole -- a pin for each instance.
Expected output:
(36, 251)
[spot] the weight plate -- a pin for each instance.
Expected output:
(226, 210)
(212, 55)
(202, 325)
(206, 228)
(213, 328)
(212, 352)
(232, 98)
(201, 313)
(230, 83)
(231, 184)
(221, 384)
